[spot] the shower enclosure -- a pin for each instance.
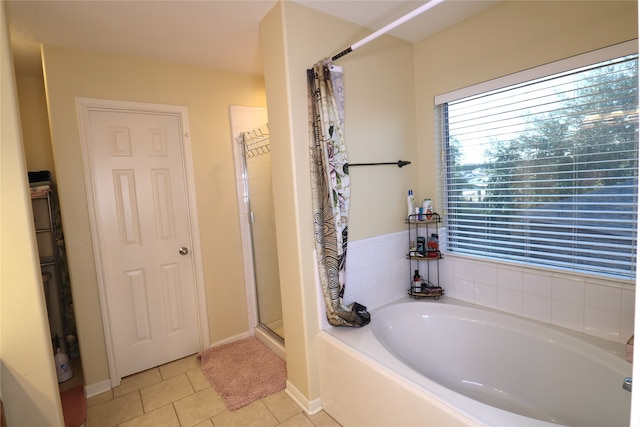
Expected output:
(251, 148)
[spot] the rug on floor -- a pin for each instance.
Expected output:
(74, 406)
(243, 371)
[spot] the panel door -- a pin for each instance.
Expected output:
(143, 221)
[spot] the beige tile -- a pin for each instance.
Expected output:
(100, 398)
(255, 414)
(198, 380)
(322, 419)
(179, 366)
(299, 420)
(165, 417)
(281, 405)
(207, 423)
(115, 411)
(199, 407)
(161, 394)
(137, 381)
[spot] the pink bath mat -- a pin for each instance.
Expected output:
(243, 371)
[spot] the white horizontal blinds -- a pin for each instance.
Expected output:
(546, 172)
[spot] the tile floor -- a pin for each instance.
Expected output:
(178, 395)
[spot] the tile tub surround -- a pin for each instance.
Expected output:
(378, 272)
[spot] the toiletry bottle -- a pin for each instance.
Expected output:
(433, 244)
(63, 367)
(417, 285)
(410, 204)
(427, 208)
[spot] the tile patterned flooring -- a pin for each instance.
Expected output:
(178, 395)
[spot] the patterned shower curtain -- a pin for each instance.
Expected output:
(330, 191)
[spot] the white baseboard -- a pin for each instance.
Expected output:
(311, 407)
(270, 342)
(231, 339)
(97, 388)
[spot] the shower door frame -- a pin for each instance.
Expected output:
(246, 223)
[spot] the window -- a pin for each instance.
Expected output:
(545, 172)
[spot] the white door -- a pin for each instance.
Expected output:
(142, 218)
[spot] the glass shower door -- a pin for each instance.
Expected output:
(252, 154)
(263, 237)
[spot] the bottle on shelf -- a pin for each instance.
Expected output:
(417, 280)
(433, 245)
(427, 208)
(410, 204)
(421, 245)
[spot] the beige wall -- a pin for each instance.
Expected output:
(35, 124)
(510, 37)
(379, 127)
(28, 384)
(207, 94)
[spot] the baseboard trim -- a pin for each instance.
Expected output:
(230, 339)
(271, 342)
(97, 388)
(311, 407)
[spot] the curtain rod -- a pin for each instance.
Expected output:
(387, 28)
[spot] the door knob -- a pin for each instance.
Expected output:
(183, 251)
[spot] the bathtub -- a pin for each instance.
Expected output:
(448, 363)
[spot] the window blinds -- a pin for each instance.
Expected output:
(545, 172)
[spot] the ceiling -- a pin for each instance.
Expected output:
(221, 34)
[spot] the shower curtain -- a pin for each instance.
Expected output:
(330, 191)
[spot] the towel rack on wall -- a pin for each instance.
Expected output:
(399, 163)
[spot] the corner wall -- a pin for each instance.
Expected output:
(28, 383)
(379, 127)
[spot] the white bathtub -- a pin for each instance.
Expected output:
(449, 363)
